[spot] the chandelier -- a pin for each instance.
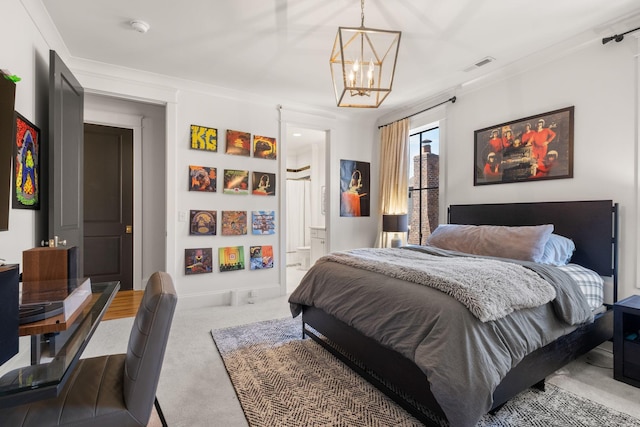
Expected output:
(363, 63)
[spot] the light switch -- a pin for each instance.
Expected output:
(182, 216)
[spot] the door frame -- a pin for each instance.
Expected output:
(293, 118)
(134, 122)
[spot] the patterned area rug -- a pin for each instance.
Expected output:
(282, 380)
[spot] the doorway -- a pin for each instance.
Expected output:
(306, 181)
(148, 123)
(108, 204)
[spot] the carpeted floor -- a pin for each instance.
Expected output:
(285, 381)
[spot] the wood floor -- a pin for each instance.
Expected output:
(124, 304)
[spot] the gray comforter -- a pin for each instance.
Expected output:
(463, 358)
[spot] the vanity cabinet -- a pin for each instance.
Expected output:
(318, 243)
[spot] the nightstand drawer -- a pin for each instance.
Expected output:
(631, 370)
(631, 354)
(626, 346)
(631, 351)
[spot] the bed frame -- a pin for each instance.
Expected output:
(593, 226)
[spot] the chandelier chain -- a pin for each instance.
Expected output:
(362, 13)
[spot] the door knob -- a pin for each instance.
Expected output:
(128, 229)
(54, 243)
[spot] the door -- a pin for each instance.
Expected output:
(66, 130)
(108, 204)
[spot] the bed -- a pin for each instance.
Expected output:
(374, 333)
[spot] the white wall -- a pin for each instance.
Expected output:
(26, 54)
(223, 114)
(600, 81)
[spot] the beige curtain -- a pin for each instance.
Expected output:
(394, 164)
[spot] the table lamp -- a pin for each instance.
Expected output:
(395, 224)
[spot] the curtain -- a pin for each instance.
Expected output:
(306, 241)
(394, 164)
(296, 203)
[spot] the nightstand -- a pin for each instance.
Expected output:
(626, 340)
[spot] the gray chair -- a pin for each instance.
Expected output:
(115, 390)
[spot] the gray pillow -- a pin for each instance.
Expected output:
(523, 243)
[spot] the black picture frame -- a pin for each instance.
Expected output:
(354, 188)
(26, 164)
(533, 148)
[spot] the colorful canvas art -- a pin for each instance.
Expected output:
(263, 184)
(202, 178)
(261, 257)
(231, 258)
(204, 138)
(354, 188)
(202, 223)
(264, 147)
(198, 261)
(263, 222)
(234, 223)
(236, 181)
(238, 143)
(26, 162)
(533, 148)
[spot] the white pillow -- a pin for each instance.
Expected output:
(558, 250)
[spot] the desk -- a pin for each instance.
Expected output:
(73, 295)
(45, 380)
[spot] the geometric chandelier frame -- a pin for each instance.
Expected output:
(363, 65)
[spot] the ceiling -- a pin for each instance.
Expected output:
(279, 49)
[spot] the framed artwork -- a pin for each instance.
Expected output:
(238, 143)
(231, 258)
(204, 138)
(264, 147)
(26, 162)
(263, 184)
(533, 148)
(198, 261)
(234, 223)
(202, 223)
(354, 188)
(236, 182)
(202, 178)
(260, 257)
(263, 222)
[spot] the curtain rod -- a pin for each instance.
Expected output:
(452, 100)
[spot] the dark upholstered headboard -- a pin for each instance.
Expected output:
(592, 225)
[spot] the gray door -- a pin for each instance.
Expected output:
(66, 134)
(108, 204)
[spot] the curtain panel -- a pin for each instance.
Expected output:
(394, 171)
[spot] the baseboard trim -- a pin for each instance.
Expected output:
(220, 298)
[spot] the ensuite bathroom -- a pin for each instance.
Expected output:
(305, 201)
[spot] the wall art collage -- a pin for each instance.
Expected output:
(231, 222)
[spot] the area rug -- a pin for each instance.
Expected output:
(283, 380)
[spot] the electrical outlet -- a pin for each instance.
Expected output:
(252, 296)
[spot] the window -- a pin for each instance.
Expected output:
(424, 183)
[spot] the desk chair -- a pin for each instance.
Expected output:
(114, 390)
